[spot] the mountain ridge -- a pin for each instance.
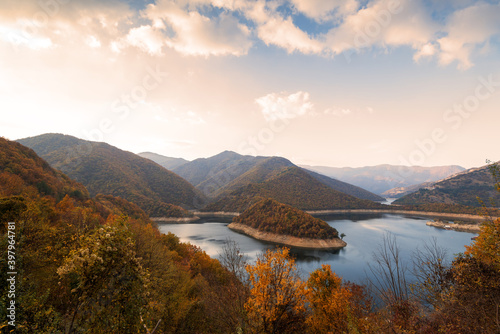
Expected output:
(105, 169)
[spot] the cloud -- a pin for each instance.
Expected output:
(146, 38)
(196, 34)
(232, 27)
(282, 106)
(323, 10)
(283, 33)
(384, 23)
(466, 30)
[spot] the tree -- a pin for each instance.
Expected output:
(336, 307)
(107, 282)
(277, 295)
(429, 270)
(390, 284)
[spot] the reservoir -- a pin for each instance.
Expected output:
(363, 234)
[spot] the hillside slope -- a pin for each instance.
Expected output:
(462, 189)
(381, 178)
(223, 173)
(108, 170)
(23, 171)
(292, 186)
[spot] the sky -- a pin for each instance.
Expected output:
(320, 82)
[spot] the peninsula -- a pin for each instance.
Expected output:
(271, 221)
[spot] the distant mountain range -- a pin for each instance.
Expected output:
(105, 169)
(464, 189)
(167, 162)
(381, 178)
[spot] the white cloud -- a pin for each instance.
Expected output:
(384, 23)
(282, 106)
(322, 10)
(467, 29)
(283, 33)
(195, 34)
(146, 38)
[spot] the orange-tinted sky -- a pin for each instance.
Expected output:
(336, 83)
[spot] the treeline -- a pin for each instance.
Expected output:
(271, 216)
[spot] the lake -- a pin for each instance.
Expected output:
(364, 233)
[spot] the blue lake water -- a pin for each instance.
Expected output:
(364, 233)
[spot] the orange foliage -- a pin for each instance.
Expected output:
(277, 296)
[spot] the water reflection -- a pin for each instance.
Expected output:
(364, 234)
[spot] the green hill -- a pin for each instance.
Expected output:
(460, 189)
(105, 169)
(226, 172)
(274, 217)
(292, 186)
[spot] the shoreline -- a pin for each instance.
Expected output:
(287, 240)
(471, 228)
(467, 217)
(175, 220)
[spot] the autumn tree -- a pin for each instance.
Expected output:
(106, 280)
(277, 295)
(336, 307)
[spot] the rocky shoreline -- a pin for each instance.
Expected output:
(323, 244)
(472, 228)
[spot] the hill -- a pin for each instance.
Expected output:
(292, 186)
(24, 172)
(378, 179)
(274, 217)
(80, 262)
(403, 191)
(226, 172)
(166, 162)
(461, 189)
(105, 169)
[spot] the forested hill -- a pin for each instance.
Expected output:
(292, 186)
(22, 171)
(99, 265)
(274, 217)
(462, 189)
(105, 169)
(223, 173)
